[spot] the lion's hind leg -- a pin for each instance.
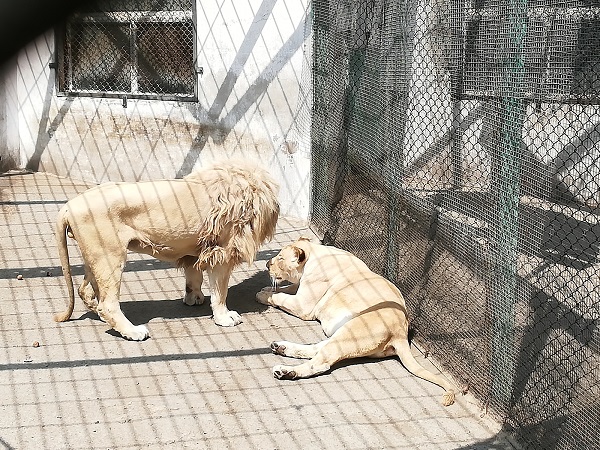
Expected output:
(87, 292)
(293, 350)
(107, 269)
(354, 339)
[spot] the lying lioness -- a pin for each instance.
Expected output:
(362, 313)
(212, 220)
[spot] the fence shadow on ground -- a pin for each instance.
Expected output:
(240, 298)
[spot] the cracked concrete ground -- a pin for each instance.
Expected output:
(192, 384)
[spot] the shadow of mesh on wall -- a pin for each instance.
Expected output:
(456, 150)
(138, 49)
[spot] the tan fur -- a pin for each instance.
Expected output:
(210, 220)
(362, 313)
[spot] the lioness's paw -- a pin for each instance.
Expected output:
(284, 373)
(192, 299)
(228, 319)
(277, 348)
(264, 295)
(137, 333)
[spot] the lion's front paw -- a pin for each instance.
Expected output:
(277, 348)
(264, 295)
(228, 319)
(137, 333)
(284, 373)
(192, 299)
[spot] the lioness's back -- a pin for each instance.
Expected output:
(350, 279)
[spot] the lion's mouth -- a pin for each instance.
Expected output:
(278, 278)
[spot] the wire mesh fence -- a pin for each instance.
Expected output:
(456, 151)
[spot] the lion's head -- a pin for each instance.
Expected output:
(289, 263)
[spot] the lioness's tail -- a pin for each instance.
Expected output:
(403, 351)
(62, 225)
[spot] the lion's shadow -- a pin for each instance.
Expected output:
(240, 298)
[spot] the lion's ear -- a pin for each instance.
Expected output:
(299, 254)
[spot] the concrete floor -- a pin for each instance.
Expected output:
(192, 384)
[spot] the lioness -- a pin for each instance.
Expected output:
(362, 313)
(210, 220)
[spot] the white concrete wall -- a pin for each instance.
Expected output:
(9, 135)
(252, 55)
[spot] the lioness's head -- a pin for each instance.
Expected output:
(289, 263)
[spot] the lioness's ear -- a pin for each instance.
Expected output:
(300, 255)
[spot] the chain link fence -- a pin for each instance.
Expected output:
(456, 150)
(140, 49)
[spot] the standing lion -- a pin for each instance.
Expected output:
(210, 220)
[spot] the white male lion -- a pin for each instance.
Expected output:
(211, 220)
(362, 313)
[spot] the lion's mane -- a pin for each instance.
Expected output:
(243, 215)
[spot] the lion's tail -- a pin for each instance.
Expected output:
(403, 351)
(62, 226)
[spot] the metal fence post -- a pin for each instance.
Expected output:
(506, 189)
(320, 208)
(399, 64)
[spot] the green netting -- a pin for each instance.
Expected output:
(456, 149)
